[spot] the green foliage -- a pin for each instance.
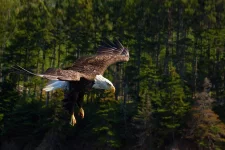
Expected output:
(173, 46)
(8, 97)
(141, 124)
(108, 118)
(28, 122)
(169, 106)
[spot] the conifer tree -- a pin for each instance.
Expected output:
(142, 125)
(205, 127)
(169, 107)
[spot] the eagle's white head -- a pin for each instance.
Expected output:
(103, 83)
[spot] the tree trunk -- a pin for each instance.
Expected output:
(1, 65)
(42, 69)
(117, 83)
(194, 69)
(59, 54)
(37, 66)
(217, 74)
(139, 67)
(167, 55)
(158, 51)
(53, 55)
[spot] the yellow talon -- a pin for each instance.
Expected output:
(81, 113)
(73, 120)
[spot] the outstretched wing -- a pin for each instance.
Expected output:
(55, 74)
(87, 67)
(107, 54)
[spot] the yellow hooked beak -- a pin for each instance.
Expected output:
(112, 89)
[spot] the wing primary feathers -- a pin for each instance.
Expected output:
(16, 68)
(26, 71)
(125, 52)
(109, 47)
(108, 50)
(117, 43)
(109, 43)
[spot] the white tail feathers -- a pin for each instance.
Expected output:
(56, 85)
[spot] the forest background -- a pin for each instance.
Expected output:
(169, 95)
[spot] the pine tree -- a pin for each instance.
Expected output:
(169, 107)
(142, 125)
(107, 119)
(205, 127)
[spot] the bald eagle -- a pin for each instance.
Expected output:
(86, 73)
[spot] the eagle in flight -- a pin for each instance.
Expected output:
(86, 73)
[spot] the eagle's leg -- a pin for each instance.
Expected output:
(74, 97)
(73, 119)
(81, 112)
(69, 101)
(68, 104)
(80, 103)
